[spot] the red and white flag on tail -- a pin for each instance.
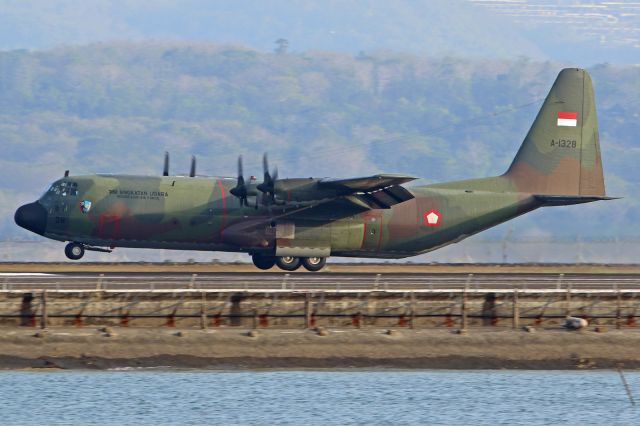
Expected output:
(568, 119)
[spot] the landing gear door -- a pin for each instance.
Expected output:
(302, 240)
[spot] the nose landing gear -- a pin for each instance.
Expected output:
(74, 251)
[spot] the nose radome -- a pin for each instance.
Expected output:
(33, 217)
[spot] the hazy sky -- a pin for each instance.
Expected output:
(583, 32)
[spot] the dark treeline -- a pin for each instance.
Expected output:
(117, 107)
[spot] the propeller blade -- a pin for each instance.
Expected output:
(192, 172)
(240, 190)
(265, 167)
(267, 183)
(165, 170)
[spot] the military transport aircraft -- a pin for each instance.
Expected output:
(302, 221)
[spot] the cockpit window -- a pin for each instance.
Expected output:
(64, 189)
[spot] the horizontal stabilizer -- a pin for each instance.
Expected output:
(565, 200)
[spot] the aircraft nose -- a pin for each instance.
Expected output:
(33, 217)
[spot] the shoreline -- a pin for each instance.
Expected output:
(187, 363)
(234, 349)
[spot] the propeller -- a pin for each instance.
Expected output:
(192, 171)
(240, 190)
(165, 170)
(268, 185)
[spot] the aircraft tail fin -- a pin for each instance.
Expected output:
(561, 153)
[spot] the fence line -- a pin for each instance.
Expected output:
(335, 282)
(463, 308)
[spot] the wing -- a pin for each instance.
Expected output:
(333, 199)
(352, 196)
(378, 191)
(368, 183)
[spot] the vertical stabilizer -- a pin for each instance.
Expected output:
(561, 153)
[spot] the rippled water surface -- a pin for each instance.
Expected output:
(317, 397)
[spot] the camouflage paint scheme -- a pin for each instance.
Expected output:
(556, 165)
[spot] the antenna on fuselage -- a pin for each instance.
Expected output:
(165, 171)
(192, 172)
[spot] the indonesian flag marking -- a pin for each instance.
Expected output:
(568, 119)
(432, 218)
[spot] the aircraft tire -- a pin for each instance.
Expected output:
(74, 251)
(288, 263)
(263, 262)
(314, 264)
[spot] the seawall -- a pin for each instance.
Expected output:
(458, 328)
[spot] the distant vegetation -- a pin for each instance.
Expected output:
(117, 107)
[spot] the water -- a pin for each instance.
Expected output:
(317, 398)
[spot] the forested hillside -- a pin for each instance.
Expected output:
(117, 107)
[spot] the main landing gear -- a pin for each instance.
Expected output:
(289, 263)
(314, 264)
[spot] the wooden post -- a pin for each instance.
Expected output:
(203, 311)
(366, 309)
(307, 311)
(412, 313)
(567, 311)
(516, 310)
(43, 318)
(618, 310)
(463, 308)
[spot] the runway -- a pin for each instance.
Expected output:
(300, 281)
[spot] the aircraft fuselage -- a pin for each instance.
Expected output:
(198, 213)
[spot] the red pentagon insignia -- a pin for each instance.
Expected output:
(432, 218)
